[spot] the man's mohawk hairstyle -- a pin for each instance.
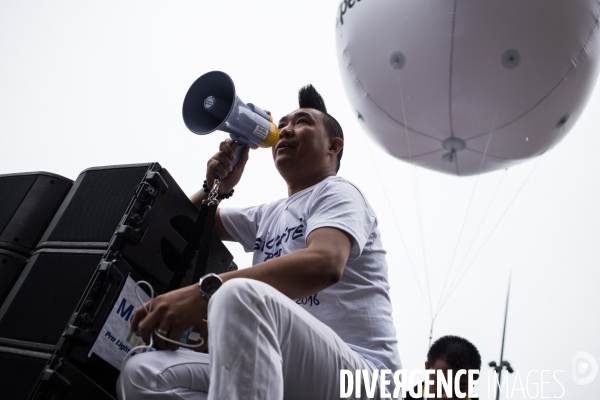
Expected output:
(308, 97)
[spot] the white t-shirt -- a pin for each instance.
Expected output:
(358, 307)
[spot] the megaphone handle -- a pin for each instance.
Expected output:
(238, 155)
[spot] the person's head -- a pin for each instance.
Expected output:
(311, 141)
(452, 353)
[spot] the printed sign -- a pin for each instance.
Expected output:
(115, 341)
(261, 132)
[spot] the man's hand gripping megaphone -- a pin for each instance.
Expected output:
(222, 163)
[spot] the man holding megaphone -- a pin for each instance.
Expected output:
(314, 302)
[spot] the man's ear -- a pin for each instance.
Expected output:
(426, 364)
(336, 145)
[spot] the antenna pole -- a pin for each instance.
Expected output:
(498, 368)
(431, 332)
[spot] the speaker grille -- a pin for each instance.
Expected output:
(19, 371)
(33, 215)
(97, 206)
(45, 296)
(11, 266)
(13, 190)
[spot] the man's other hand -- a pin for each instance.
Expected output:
(173, 313)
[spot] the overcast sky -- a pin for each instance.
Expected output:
(86, 84)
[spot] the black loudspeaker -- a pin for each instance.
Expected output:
(11, 266)
(136, 212)
(83, 329)
(21, 369)
(43, 299)
(133, 216)
(94, 206)
(28, 203)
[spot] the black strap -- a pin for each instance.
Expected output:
(204, 247)
(199, 241)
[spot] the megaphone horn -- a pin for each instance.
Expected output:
(211, 104)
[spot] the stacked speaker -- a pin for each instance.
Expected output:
(66, 249)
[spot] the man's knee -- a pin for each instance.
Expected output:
(236, 296)
(158, 372)
(135, 376)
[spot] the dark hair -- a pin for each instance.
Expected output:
(308, 97)
(457, 352)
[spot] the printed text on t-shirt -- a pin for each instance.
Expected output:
(272, 247)
(309, 301)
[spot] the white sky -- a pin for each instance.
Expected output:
(87, 84)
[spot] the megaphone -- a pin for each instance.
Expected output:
(211, 104)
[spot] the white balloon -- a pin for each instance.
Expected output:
(468, 86)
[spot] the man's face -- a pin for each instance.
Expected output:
(441, 365)
(303, 144)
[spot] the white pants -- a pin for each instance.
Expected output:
(262, 346)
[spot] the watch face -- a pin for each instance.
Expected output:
(210, 284)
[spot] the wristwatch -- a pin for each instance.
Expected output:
(209, 284)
